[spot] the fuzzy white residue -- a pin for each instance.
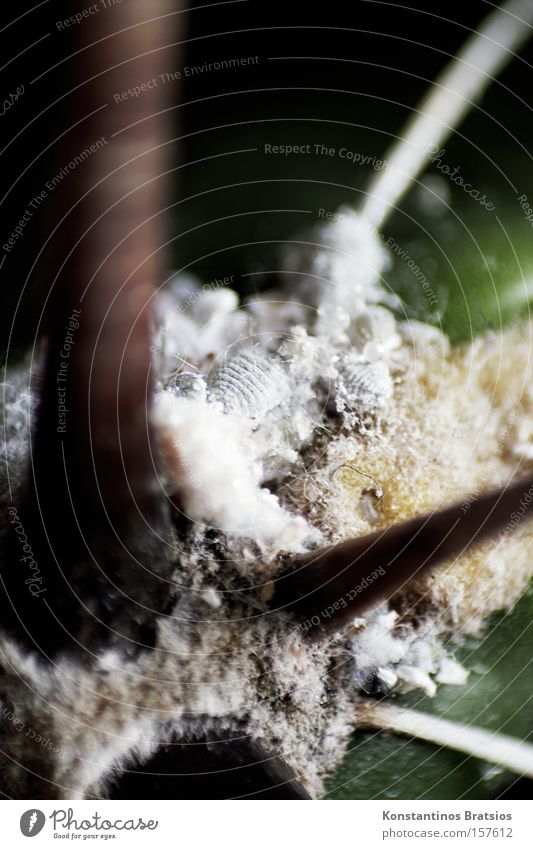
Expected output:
(342, 264)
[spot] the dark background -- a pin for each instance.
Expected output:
(366, 65)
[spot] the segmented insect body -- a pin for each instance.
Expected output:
(250, 384)
(244, 676)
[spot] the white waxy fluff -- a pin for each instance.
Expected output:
(250, 385)
(212, 464)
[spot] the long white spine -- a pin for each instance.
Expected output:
(452, 95)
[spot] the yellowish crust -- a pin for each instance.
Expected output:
(461, 424)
